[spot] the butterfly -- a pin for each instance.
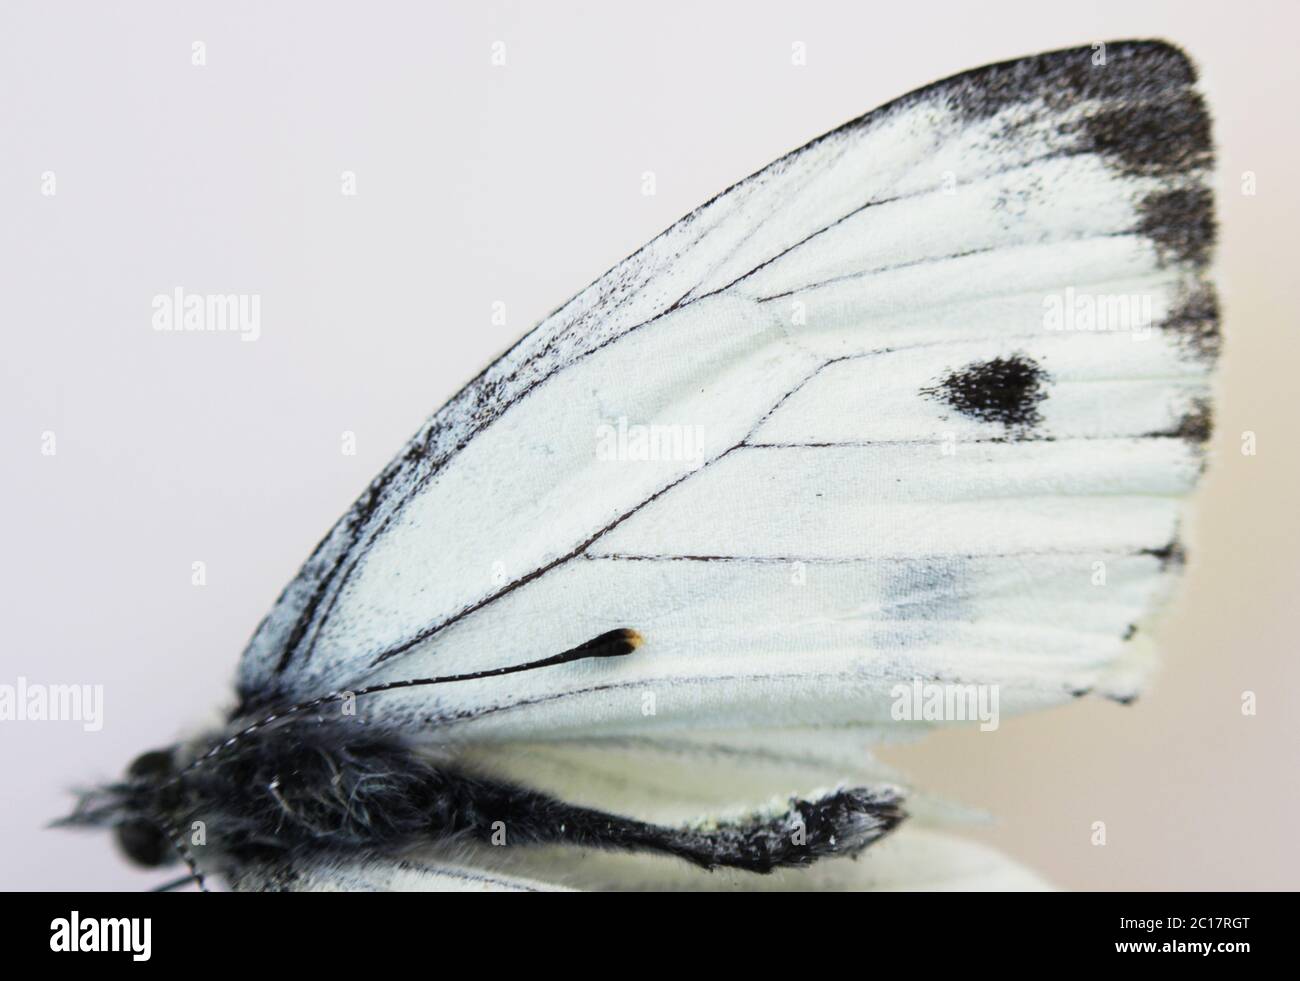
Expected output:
(918, 404)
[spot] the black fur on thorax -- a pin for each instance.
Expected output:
(310, 787)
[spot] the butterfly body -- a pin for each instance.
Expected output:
(280, 798)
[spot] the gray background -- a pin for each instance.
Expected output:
(521, 184)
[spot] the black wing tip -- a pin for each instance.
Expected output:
(1165, 56)
(1132, 103)
(1155, 55)
(1130, 72)
(1119, 71)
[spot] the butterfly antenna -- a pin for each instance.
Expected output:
(175, 884)
(613, 643)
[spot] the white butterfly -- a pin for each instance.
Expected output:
(916, 404)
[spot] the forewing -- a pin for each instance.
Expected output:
(919, 400)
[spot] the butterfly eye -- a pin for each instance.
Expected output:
(144, 844)
(152, 765)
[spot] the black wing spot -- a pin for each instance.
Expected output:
(1006, 390)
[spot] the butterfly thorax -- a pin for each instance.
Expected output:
(277, 792)
(309, 787)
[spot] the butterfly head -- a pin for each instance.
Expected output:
(136, 808)
(141, 838)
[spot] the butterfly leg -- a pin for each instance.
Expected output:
(841, 823)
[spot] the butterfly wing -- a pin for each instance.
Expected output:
(919, 400)
(912, 858)
(335, 873)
